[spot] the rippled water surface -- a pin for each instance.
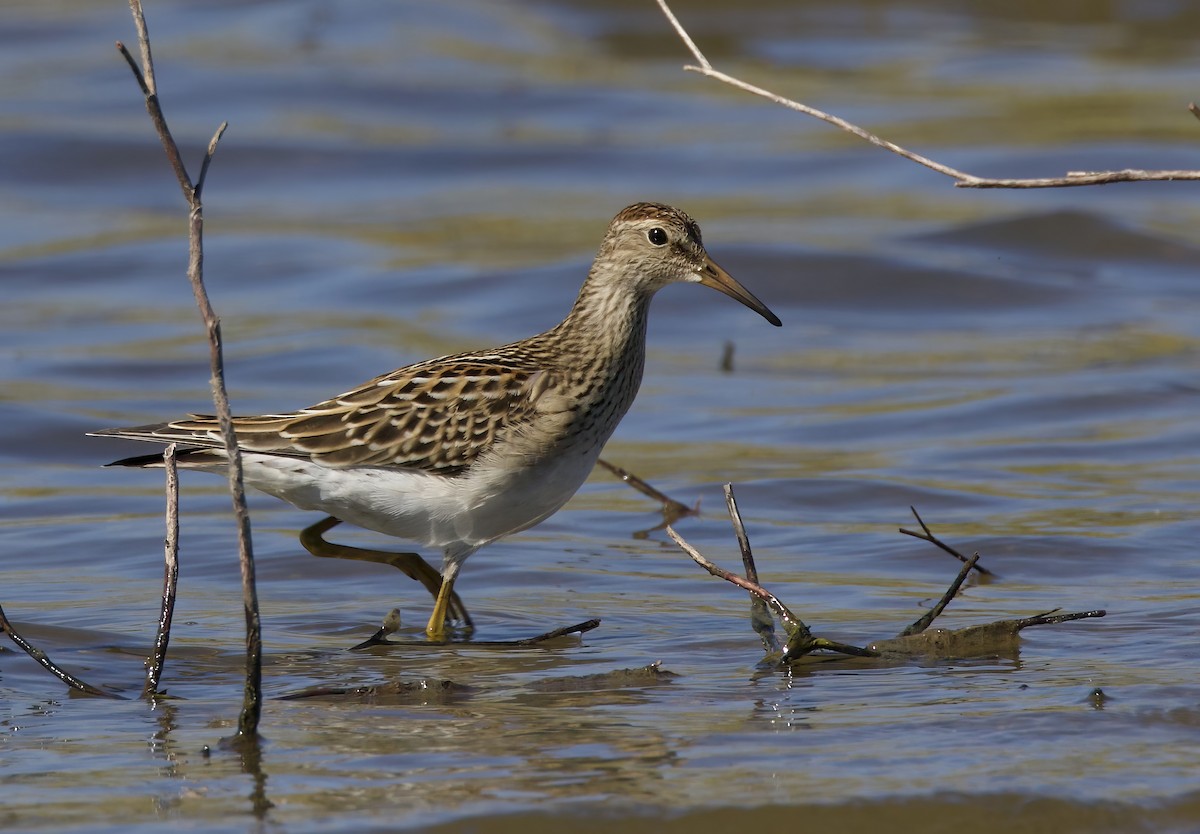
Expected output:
(407, 179)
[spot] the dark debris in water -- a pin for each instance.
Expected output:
(392, 693)
(426, 691)
(651, 675)
(1098, 698)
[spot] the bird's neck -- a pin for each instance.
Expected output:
(607, 322)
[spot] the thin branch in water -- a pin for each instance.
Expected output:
(800, 639)
(162, 637)
(962, 178)
(49, 665)
(578, 628)
(927, 536)
(951, 592)
(790, 620)
(252, 695)
(391, 624)
(1052, 617)
(739, 530)
(525, 642)
(833, 646)
(760, 616)
(671, 508)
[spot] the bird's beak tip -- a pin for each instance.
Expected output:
(720, 280)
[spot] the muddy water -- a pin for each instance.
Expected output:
(395, 183)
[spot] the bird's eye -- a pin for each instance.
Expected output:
(657, 236)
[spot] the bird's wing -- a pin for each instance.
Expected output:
(435, 416)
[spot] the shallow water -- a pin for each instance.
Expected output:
(405, 181)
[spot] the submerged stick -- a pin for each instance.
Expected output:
(49, 665)
(578, 628)
(162, 637)
(991, 638)
(1052, 617)
(672, 510)
(252, 692)
(391, 624)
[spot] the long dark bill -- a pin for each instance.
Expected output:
(713, 276)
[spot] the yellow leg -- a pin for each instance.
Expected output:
(411, 564)
(436, 630)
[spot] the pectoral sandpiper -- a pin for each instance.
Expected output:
(460, 451)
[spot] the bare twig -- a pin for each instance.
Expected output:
(578, 628)
(684, 36)
(133, 66)
(672, 509)
(790, 620)
(760, 616)
(739, 530)
(208, 155)
(139, 23)
(951, 592)
(801, 640)
(1052, 617)
(252, 695)
(927, 536)
(157, 117)
(794, 651)
(154, 664)
(962, 178)
(49, 665)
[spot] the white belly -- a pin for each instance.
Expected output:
(464, 512)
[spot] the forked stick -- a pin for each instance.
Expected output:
(760, 615)
(252, 691)
(926, 535)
